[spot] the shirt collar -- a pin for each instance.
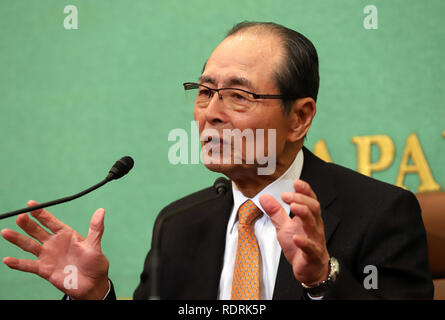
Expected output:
(284, 183)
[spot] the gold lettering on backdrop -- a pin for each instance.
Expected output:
(321, 151)
(364, 143)
(419, 165)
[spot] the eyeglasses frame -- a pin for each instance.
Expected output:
(254, 95)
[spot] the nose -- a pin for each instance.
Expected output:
(215, 113)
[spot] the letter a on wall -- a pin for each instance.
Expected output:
(70, 22)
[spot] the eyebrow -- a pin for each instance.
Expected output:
(207, 79)
(234, 81)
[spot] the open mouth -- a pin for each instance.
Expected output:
(214, 140)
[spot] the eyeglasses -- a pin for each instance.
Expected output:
(234, 98)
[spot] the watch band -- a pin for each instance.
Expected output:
(320, 288)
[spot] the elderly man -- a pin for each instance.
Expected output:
(308, 230)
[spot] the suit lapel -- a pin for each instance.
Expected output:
(316, 174)
(205, 265)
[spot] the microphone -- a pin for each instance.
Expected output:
(119, 169)
(220, 187)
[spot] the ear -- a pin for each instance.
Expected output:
(300, 118)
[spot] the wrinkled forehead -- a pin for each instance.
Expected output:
(246, 60)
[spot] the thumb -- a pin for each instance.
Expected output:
(274, 210)
(96, 229)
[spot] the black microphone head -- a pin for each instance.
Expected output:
(221, 185)
(120, 168)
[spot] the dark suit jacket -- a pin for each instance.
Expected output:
(366, 222)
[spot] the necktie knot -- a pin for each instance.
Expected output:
(248, 212)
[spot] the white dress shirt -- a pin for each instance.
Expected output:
(265, 233)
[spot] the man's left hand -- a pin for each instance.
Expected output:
(302, 238)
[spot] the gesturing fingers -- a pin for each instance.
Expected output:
(316, 255)
(308, 221)
(47, 219)
(303, 187)
(305, 205)
(50, 221)
(305, 244)
(312, 204)
(32, 228)
(22, 264)
(25, 243)
(306, 208)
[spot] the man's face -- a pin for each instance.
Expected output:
(246, 61)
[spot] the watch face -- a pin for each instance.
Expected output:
(335, 268)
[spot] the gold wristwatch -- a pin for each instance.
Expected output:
(321, 288)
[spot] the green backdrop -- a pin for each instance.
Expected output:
(72, 102)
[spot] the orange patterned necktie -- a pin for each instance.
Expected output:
(246, 274)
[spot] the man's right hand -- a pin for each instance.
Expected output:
(59, 249)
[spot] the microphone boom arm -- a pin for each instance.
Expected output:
(119, 169)
(54, 202)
